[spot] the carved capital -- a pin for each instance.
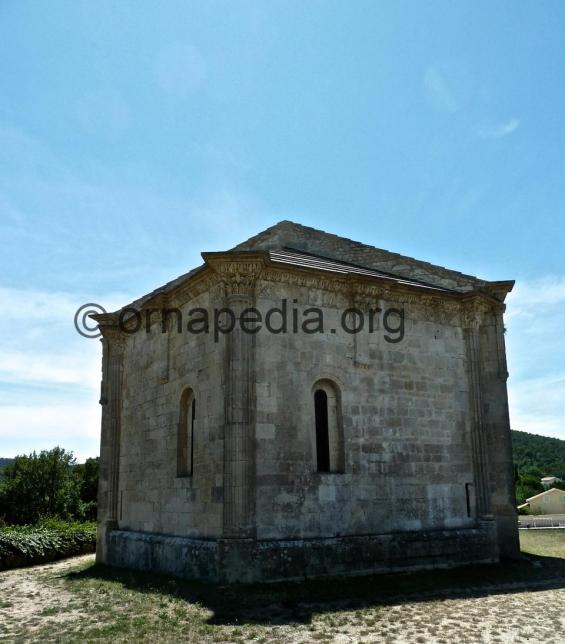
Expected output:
(112, 335)
(115, 338)
(473, 313)
(238, 272)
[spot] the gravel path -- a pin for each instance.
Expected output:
(26, 599)
(37, 604)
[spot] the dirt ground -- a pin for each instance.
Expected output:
(64, 601)
(26, 598)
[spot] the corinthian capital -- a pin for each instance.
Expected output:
(237, 271)
(474, 311)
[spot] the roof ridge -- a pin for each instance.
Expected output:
(390, 254)
(263, 233)
(356, 265)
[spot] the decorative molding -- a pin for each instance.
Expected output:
(245, 274)
(366, 296)
(302, 279)
(474, 312)
(238, 273)
(190, 290)
(449, 309)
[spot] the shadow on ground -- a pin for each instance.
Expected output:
(294, 603)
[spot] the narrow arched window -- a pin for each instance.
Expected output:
(185, 436)
(329, 428)
(191, 450)
(322, 431)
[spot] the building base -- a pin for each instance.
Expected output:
(250, 561)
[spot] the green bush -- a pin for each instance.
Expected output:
(48, 484)
(51, 539)
(87, 511)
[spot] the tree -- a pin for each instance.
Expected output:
(38, 486)
(87, 473)
(538, 455)
(527, 485)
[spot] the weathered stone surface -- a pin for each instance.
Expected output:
(250, 560)
(420, 467)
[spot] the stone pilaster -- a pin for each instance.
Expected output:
(473, 318)
(500, 344)
(113, 343)
(239, 276)
(499, 434)
(364, 298)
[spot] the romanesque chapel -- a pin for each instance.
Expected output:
(305, 405)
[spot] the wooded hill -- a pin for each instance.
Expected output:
(4, 462)
(533, 453)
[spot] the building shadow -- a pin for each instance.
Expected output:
(295, 602)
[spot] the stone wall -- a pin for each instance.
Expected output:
(405, 409)
(157, 369)
(249, 560)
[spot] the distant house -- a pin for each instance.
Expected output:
(548, 481)
(548, 502)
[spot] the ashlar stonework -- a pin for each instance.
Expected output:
(258, 456)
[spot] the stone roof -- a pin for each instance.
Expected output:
(307, 260)
(315, 249)
(288, 234)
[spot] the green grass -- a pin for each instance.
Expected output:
(544, 543)
(98, 603)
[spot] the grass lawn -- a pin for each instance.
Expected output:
(76, 600)
(545, 543)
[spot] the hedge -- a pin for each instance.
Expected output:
(33, 544)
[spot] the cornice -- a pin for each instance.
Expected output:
(241, 272)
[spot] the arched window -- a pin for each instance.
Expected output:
(185, 436)
(329, 427)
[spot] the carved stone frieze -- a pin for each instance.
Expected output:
(475, 311)
(238, 274)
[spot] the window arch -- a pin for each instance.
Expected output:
(185, 434)
(328, 427)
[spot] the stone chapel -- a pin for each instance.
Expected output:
(305, 405)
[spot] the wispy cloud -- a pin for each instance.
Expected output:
(72, 425)
(19, 367)
(75, 234)
(537, 405)
(497, 130)
(49, 374)
(80, 231)
(32, 306)
(536, 354)
(439, 91)
(548, 291)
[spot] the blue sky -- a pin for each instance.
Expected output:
(134, 135)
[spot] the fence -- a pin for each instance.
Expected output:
(540, 521)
